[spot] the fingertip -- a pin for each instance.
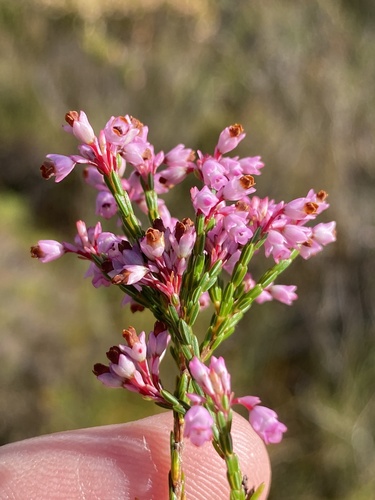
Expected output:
(125, 461)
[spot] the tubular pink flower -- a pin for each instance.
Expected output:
(106, 205)
(325, 233)
(183, 243)
(265, 423)
(121, 130)
(214, 381)
(229, 138)
(238, 187)
(94, 178)
(263, 420)
(203, 200)
(153, 244)
(130, 274)
(201, 374)
(125, 368)
(136, 153)
(251, 165)
(214, 174)
(296, 235)
(47, 250)
(157, 343)
(80, 127)
(180, 156)
(110, 380)
(138, 349)
(221, 376)
(309, 249)
(198, 425)
(301, 209)
(58, 166)
(249, 402)
(283, 293)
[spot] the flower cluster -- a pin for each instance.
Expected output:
(158, 258)
(177, 267)
(219, 398)
(135, 366)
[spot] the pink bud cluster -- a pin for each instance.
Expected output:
(214, 381)
(135, 366)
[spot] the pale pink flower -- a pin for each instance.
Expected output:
(94, 178)
(283, 293)
(136, 153)
(157, 343)
(130, 275)
(263, 420)
(47, 250)
(125, 367)
(251, 165)
(198, 425)
(201, 374)
(203, 200)
(80, 127)
(120, 130)
(237, 188)
(265, 423)
(325, 233)
(153, 244)
(180, 156)
(214, 174)
(296, 235)
(58, 166)
(214, 380)
(138, 349)
(106, 205)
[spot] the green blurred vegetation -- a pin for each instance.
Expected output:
(300, 78)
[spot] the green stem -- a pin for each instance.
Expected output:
(232, 309)
(132, 229)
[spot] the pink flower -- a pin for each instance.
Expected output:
(214, 380)
(184, 241)
(58, 166)
(153, 245)
(106, 205)
(180, 156)
(214, 174)
(325, 233)
(251, 165)
(263, 420)
(121, 130)
(203, 200)
(136, 153)
(79, 125)
(201, 374)
(238, 187)
(229, 138)
(198, 425)
(130, 274)
(47, 250)
(265, 423)
(283, 293)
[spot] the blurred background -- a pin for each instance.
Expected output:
(299, 76)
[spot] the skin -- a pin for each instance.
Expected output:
(127, 461)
